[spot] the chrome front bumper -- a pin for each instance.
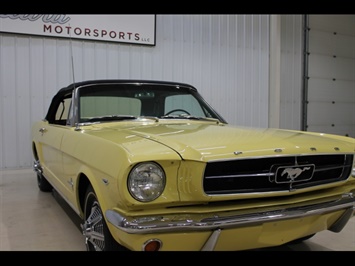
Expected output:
(233, 219)
(193, 222)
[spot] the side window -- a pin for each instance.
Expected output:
(62, 112)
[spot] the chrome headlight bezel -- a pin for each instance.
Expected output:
(353, 169)
(146, 181)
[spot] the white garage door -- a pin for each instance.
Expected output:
(330, 88)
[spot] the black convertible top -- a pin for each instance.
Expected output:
(72, 86)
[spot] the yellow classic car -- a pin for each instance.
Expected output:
(151, 166)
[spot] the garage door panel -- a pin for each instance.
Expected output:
(331, 114)
(326, 66)
(328, 43)
(325, 90)
(343, 130)
(330, 89)
(341, 23)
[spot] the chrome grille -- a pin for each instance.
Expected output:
(260, 174)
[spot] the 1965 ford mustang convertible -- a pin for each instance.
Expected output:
(151, 166)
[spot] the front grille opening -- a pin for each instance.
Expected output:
(258, 175)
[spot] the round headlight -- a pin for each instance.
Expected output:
(146, 181)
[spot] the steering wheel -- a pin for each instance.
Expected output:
(177, 110)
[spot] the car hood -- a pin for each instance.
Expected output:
(206, 141)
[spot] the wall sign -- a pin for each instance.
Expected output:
(133, 29)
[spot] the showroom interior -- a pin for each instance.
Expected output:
(288, 71)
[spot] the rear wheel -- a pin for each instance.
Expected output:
(95, 230)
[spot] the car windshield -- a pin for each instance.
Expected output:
(113, 102)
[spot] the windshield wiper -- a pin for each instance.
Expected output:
(172, 116)
(191, 117)
(111, 118)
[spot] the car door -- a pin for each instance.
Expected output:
(49, 138)
(49, 135)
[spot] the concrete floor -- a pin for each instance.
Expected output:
(31, 220)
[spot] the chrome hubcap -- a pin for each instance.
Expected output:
(93, 229)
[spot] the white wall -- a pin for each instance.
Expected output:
(225, 56)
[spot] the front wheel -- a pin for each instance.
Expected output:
(43, 184)
(95, 230)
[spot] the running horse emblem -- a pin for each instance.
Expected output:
(293, 173)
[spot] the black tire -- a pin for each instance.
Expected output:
(43, 184)
(95, 230)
